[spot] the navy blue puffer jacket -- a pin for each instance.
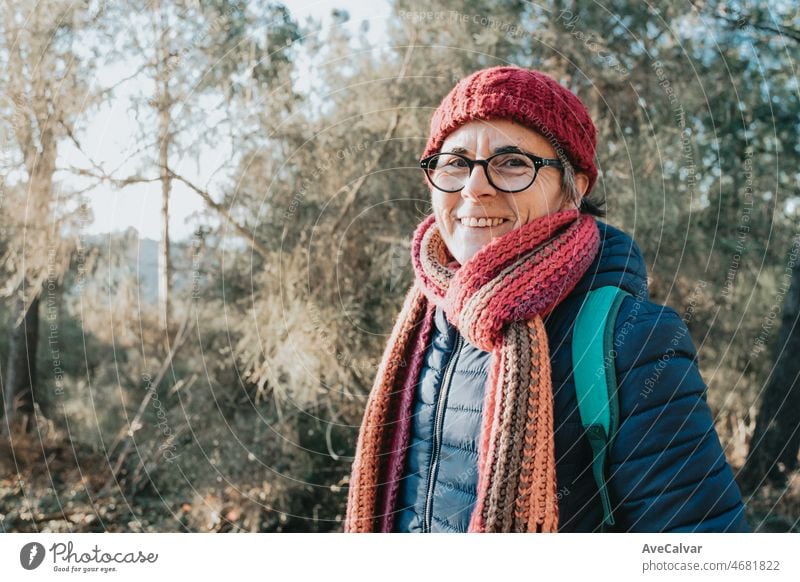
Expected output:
(667, 470)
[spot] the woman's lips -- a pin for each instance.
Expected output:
(483, 222)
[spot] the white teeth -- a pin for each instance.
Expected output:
(481, 222)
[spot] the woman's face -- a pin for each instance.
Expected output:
(478, 199)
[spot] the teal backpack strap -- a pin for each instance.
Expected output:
(595, 379)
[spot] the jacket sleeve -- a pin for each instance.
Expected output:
(667, 469)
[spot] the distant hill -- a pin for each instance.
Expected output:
(130, 255)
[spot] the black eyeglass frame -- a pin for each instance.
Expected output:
(538, 163)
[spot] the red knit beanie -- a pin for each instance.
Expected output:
(524, 95)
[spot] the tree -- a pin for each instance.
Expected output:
(199, 60)
(775, 442)
(43, 91)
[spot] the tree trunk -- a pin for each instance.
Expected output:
(776, 439)
(164, 105)
(20, 386)
(164, 266)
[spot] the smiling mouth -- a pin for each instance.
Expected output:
(481, 222)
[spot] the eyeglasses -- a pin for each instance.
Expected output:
(507, 172)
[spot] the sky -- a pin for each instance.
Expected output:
(109, 138)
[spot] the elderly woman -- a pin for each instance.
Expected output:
(474, 422)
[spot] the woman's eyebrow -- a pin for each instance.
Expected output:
(510, 149)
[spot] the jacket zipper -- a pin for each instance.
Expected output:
(437, 433)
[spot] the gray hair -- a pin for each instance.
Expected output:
(568, 187)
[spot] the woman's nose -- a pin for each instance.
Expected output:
(477, 184)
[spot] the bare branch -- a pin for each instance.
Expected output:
(748, 20)
(134, 425)
(103, 177)
(222, 211)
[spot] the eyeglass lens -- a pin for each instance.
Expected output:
(506, 171)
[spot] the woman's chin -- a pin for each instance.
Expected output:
(465, 250)
(470, 240)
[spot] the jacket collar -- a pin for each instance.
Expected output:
(618, 263)
(442, 325)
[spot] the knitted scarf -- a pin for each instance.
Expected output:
(497, 300)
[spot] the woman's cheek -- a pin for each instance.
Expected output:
(443, 218)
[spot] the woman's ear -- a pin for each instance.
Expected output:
(581, 182)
